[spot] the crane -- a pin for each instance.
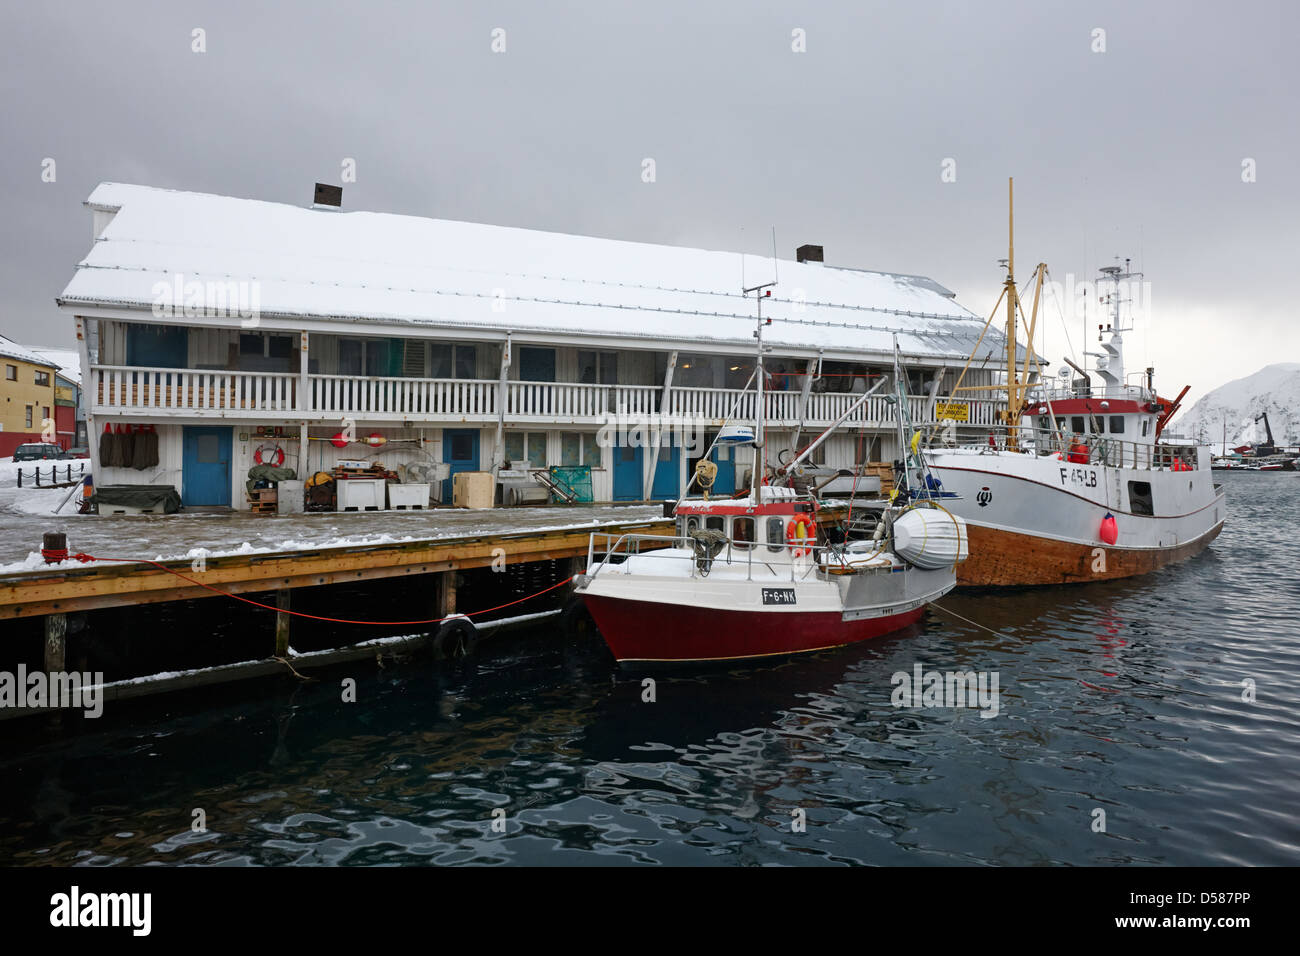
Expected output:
(1265, 448)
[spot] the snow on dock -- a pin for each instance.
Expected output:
(189, 535)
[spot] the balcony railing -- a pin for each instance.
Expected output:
(172, 390)
(186, 392)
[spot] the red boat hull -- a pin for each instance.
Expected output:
(644, 631)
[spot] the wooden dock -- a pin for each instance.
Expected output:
(436, 563)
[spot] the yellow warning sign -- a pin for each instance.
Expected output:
(957, 411)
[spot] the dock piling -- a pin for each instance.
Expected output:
(282, 623)
(56, 646)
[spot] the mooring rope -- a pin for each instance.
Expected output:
(85, 558)
(936, 605)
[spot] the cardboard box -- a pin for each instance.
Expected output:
(473, 489)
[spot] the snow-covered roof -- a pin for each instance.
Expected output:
(11, 349)
(67, 361)
(391, 269)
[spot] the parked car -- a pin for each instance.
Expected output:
(39, 451)
(81, 451)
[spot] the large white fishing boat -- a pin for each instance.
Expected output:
(1080, 482)
(754, 576)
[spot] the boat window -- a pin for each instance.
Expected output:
(714, 522)
(1098, 424)
(1060, 423)
(1145, 422)
(775, 534)
(1139, 498)
(692, 524)
(1117, 424)
(742, 532)
(1077, 424)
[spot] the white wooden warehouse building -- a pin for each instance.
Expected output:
(215, 318)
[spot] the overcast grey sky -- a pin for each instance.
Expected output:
(1135, 151)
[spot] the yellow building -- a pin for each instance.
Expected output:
(26, 396)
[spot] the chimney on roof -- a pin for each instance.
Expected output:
(327, 197)
(809, 254)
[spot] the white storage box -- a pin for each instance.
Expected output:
(289, 499)
(360, 494)
(413, 495)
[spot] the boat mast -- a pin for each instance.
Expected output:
(1012, 414)
(760, 445)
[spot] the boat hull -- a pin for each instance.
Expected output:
(648, 632)
(1038, 520)
(1001, 558)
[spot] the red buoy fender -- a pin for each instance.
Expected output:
(1109, 529)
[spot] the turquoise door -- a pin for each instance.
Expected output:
(665, 482)
(460, 451)
(205, 466)
(724, 456)
(627, 474)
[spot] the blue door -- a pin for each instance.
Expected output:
(628, 481)
(205, 466)
(665, 483)
(724, 456)
(460, 450)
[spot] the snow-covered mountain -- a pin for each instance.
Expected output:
(1274, 389)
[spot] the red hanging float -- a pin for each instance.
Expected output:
(1109, 529)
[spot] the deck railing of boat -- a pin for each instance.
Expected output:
(1102, 449)
(801, 566)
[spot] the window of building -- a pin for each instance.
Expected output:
(454, 361)
(351, 354)
(536, 365)
(695, 371)
(598, 368)
(265, 352)
(578, 448)
(11, 372)
(42, 378)
(1117, 424)
(29, 416)
(45, 412)
(738, 372)
(526, 449)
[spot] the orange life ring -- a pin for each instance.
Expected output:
(802, 529)
(278, 456)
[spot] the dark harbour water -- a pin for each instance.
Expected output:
(1121, 696)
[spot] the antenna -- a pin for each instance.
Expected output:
(775, 275)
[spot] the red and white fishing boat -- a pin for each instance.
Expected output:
(1080, 483)
(755, 577)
